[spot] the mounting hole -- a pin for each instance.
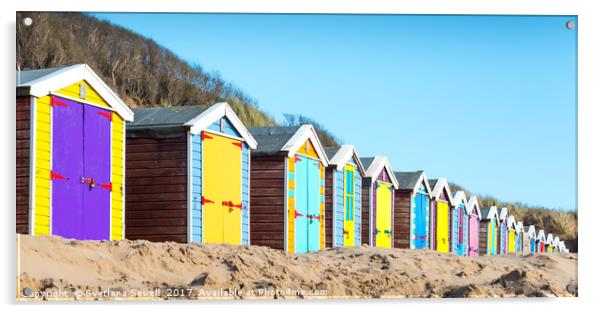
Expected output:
(27, 21)
(570, 25)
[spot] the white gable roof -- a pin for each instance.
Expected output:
(377, 166)
(460, 198)
(531, 231)
(342, 157)
(541, 235)
(61, 78)
(556, 240)
(473, 205)
(503, 213)
(511, 222)
(550, 238)
(304, 133)
(440, 186)
(214, 113)
(519, 227)
(493, 213)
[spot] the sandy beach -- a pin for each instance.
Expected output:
(53, 268)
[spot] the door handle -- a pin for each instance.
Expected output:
(90, 181)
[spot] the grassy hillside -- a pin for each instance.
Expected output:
(139, 70)
(561, 223)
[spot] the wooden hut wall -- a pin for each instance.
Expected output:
(268, 181)
(156, 189)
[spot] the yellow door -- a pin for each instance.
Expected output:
(383, 215)
(222, 184)
(349, 206)
(442, 226)
(213, 221)
(231, 182)
(511, 238)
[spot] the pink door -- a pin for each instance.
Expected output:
(473, 249)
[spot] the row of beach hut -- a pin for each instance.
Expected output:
(89, 167)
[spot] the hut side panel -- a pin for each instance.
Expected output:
(267, 201)
(328, 201)
(366, 187)
(401, 219)
(156, 189)
(483, 238)
(23, 161)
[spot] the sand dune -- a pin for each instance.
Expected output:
(55, 268)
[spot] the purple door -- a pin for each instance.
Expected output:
(97, 168)
(81, 171)
(67, 168)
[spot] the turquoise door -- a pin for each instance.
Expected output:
(313, 199)
(301, 205)
(420, 217)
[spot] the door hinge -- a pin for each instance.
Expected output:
(107, 186)
(54, 102)
(54, 175)
(205, 200)
(108, 115)
(205, 136)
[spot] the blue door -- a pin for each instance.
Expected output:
(313, 200)
(532, 245)
(301, 205)
(420, 217)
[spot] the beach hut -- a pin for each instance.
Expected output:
(343, 197)
(440, 218)
(519, 247)
(474, 218)
(549, 247)
(541, 241)
(531, 239)
(562, 247)
(287, 189)
(511, 230)
(411, 210)
(69, 154)
(188, 175)
(555, 244)
(378, 190)
(502, 241)
(488, 231)
(459, 222)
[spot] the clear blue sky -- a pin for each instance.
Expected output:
(487, 101)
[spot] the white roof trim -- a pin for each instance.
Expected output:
(511, 222)
(377, 166)
(503, 213)
(342, 157)
(492, 213)
(531, 231)
(520, 227)
(541, 235)
(473, 204)
(423, 180)
(304, 133)
(64, 77)
(439, 187)
(550, 238)
(459, 198)
(214, 113)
